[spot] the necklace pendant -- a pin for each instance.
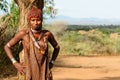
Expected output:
(42, 51)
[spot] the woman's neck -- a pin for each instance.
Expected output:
(35, 31)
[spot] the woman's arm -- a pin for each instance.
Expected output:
(12, 42)
(56, 47)
(8, 47)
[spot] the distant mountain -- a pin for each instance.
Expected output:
(85, 21)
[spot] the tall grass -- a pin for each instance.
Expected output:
(90, 42)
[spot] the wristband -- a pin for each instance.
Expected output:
(13, 60)
(52, 61)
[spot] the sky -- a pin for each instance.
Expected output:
(89, 8)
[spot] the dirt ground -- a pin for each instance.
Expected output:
(85, 68)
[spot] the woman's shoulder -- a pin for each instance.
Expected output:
(23, 32)
(46, 32)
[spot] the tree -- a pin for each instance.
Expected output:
(25, 5)
(4, 5)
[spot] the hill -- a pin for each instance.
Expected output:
(84, 21)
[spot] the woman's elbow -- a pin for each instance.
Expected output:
(6, 47)
(57, 47)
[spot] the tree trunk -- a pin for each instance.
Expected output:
(24, 6)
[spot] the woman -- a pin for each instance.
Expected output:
(34, 61)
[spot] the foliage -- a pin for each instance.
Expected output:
(9, 31)
(49, 10)
(104, 28)
(4, 5)
(14, 13)
(91, 41)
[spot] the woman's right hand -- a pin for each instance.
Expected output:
(20, 68)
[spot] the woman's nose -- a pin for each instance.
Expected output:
(36, 22)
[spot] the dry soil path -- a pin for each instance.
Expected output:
(85, 68)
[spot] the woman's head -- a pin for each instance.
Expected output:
(34, 13)
(35, 18)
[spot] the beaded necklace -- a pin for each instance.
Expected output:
(36, 41)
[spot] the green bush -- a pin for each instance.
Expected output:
(90, 43)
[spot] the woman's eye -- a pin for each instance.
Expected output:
(33, 20)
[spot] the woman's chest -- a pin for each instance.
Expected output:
(40, 39)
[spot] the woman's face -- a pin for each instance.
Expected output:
(35, 23)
